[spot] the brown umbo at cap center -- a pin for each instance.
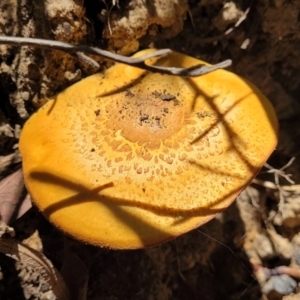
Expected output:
(143, 116)
(128, 159)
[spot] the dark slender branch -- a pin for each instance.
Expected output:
(138, 62)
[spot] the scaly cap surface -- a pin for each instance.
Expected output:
(128, 159)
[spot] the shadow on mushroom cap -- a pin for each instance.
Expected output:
(130, 159)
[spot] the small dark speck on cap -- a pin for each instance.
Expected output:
(129, 93)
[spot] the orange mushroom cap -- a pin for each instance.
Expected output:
(128, 158)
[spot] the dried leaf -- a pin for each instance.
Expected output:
(25, 205)
(8, 160)
(4, 229)
(38, 262)
(13, 199)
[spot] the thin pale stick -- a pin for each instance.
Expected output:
(138, 62)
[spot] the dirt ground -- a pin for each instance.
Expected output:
(250, 251)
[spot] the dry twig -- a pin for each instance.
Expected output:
(138, 62)
(276, 184)
(277, 174)
(271, 185)
(242, 18)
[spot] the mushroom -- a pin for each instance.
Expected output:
(128, 159)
